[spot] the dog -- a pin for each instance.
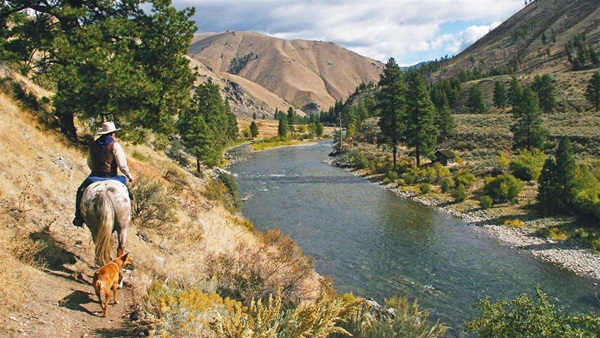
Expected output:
(107, 278)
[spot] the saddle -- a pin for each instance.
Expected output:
(120, 178)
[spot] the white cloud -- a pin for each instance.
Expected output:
(376, 28)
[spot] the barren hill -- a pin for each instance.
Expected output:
(309, 75)
(534, 39)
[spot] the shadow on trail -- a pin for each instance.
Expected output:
(75, 301)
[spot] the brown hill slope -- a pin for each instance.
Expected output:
(303, 73)
(519, 41)
(46, 264)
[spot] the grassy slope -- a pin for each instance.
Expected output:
(46, 264)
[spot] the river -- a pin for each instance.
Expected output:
(376, 244)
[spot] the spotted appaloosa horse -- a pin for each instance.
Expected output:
(106, 208)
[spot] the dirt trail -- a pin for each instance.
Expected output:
(62, 302)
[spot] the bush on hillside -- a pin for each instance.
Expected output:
(528, 165)
(400, 318)
(152, 205)
(503, 188)
(486, 202)
(461, 193)
(525, 317)
(465, 178)
(224, 189)
(251, 272)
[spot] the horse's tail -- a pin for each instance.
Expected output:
(105, 227)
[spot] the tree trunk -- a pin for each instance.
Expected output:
(67, 125)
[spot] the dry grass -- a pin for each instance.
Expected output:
(40, 174)
(266, 128)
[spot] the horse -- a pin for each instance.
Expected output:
(106, 208)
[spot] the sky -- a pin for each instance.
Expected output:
(410, 31)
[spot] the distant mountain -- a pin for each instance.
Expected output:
(261, 73)
(534, 39)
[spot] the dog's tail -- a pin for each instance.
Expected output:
(105, 227)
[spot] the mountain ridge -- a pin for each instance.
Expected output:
(305, 74)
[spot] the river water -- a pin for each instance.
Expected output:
(376, 244)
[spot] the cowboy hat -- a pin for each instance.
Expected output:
(107, 128)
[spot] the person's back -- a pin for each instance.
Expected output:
(104, 157)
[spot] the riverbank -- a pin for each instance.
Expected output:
(526, 237)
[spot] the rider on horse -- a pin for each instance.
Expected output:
(104, 157)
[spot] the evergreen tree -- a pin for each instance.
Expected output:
(421, 132)
(527, 130)
(319, 130)
(548, 198)
(282, 127)
(500, 95)
(565, 171)
(592, 92)
(291, 119)
(350, 122)
(556, 192)
(198, 138)
(476, 103)
(208, 102)
(104, 57)
(392, 105)
(253, 129)
(546, 92)
(515, 91)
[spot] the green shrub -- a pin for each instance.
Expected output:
(503, 188)
(514, 223)
(580, 233)
(446, 185)
(595, 244)
(425, 187)
(361, 161)
(465, 178)
(401, 318)
(486, 202)
(524, 317)
(152, 204)
(391, 175)
(528, 165)
(460, 193)
(225, 190)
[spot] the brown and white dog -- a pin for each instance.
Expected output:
(107, 278)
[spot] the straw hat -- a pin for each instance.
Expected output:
(107, 128)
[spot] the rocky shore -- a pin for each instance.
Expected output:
(565, 254)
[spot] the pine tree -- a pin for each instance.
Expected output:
(556, 192)
(291, 119)
(527, 130)
(198, 138)
(515, 91)
(548, 198)
(565, 171)
(546, 92)
(421, 131)
(253, 129)
(392, 105)
(476, 103)
(104, 57)
(282, 127)
(592, 92)
(500, 95)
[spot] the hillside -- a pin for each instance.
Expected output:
(310, 75)
(533, 40)
(46, 264)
